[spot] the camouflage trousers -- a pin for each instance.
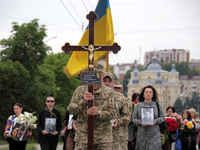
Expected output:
(115, 145)
(123, 145)
(102, 146)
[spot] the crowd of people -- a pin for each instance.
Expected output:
(119, 123)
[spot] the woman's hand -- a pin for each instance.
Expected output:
(8, 136)
(44, 132)
(55, 133)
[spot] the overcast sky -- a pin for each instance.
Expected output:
(139, 25)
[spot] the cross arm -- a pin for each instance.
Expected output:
(67, 48)
(114, 48)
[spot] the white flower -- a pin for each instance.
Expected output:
(27, 119)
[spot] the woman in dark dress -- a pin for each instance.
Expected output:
(69, 131)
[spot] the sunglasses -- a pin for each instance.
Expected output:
(48, 101)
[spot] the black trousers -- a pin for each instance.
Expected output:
(16, 145)
(49, 146)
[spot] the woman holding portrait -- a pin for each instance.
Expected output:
(13, 144)
(148, 135)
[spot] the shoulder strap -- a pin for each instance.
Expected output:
(51, 112)
(158, 109)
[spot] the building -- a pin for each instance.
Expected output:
(121, 69)
(166, 83)
(168, 56)
(189, 85)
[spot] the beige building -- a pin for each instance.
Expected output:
(166, 83)
(168, 56)
(189, 85)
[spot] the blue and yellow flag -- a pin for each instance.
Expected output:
(103, 35)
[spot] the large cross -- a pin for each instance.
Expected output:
(91, 48)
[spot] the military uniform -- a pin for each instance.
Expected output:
(122, 105)
(123, 128)
(104, 101)
(120, 133)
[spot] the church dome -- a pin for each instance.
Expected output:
(154, 65)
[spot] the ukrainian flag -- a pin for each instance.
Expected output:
(103, 35)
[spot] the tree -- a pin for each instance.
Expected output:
(65, 86)
(13, 81)
(25, 45)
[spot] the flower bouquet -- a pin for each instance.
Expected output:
(27, 119)
(22, 126)
(197, 123)
(173, 123)
(188, 125)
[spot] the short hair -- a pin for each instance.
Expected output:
(134, 96)
(155, 93)
(172, 108)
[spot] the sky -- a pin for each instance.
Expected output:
(139, 25)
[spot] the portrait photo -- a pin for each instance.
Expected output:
(147, 115)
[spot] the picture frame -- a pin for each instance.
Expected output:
(18, 131)
(50, 125)
(147, 115)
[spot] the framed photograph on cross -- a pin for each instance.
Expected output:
(147, 115)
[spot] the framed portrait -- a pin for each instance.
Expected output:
(18, 131)
(147, 115)
(50, 125)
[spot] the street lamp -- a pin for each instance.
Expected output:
(51, 38)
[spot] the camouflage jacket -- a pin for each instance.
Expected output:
(122, 105)
(104, 101)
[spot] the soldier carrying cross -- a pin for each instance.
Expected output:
(99, 130)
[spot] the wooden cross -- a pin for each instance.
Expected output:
(91, 48)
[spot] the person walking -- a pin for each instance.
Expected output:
(148, 136)
(49, 125)
(13, 144)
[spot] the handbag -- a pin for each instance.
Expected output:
(172, 137)
(163, 125)
(178, 145)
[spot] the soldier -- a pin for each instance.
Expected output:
(103, 111)
(123, 109)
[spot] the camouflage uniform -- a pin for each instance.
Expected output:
(104, 101)
(123, 128)
(123, 110)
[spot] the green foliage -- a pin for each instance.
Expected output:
(26, 78)
(182, 68)
(13, 83)
(65, 86)
(25, 45)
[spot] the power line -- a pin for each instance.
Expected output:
(40, 21)
(70, 13)
(90, 5)
(158, 30)
(85, 6)
(75, 11)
